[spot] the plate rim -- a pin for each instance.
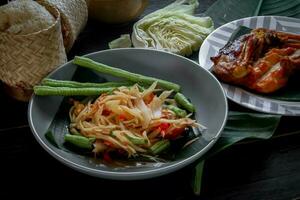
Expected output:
(149, 173)
(287, 104)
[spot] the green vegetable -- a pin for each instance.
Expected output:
(224, 11)
(123, 42)
(179, 112)
(75, 84)
(136, 140)
(102, 68)
(159, 146)
(65, 91)
(173, 28)
(80, 141)
(50, 137)
(184, 102)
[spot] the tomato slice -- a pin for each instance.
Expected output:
(164, 126)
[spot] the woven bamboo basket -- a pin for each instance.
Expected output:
(26, 59)
(74, 15)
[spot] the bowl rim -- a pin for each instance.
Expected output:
(137, 175)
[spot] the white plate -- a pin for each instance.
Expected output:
(219, 38)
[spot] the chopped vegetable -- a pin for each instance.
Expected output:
(164, 126)
(80, 141)
(102, 68)
(173, 28)
(184, 102)
(179, 112)
(159, 146)
(123, 121)
(136, 140)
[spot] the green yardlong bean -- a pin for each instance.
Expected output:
(99, 67)
(184, 102)
(65, 91)
(159, 146)
(80, 141)
(179, 112)
(75, 84)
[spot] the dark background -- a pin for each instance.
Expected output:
(252, 170)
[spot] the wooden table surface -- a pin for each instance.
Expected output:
(259, 170)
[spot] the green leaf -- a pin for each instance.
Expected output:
(239, 126)
(49, 136)
(197, 179)
(224, 11)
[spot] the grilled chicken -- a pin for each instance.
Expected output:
(261, 61)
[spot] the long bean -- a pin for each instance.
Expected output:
(75, 84)
(80, 141)
(184, 102)
(136, 140)
(179, 112)
(159, 146)
(99, 67)
(65, 91)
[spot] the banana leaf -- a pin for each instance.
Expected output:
(291, 92)
(239, 126)
(224, 11)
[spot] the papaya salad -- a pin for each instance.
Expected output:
(139, 116)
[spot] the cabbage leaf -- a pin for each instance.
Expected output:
(173, 28)
(122, 42)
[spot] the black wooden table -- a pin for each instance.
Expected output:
(256, 170)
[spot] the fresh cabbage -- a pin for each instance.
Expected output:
(173, 28)
(122, 42)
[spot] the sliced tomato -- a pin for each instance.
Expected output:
(164, 126)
